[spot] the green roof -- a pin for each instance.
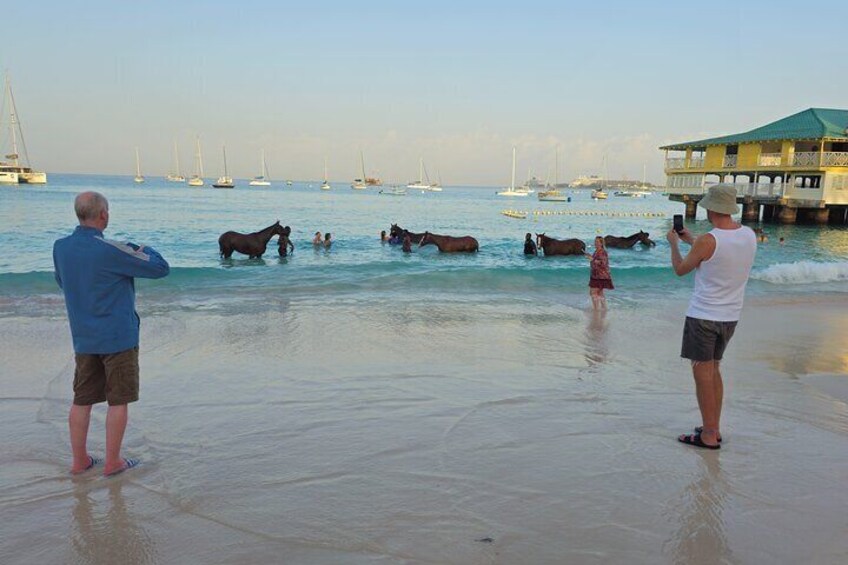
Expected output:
(814, 123)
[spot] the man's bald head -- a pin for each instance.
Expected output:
(92, 209)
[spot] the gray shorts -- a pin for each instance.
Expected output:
(705, 340)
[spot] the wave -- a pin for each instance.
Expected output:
(803, 272)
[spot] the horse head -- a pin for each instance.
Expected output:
(540, 237)
(277, 229)
(395, 231)
(644, 239)
(425, 239)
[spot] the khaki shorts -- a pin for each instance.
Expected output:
(705, 340)
(111, 377)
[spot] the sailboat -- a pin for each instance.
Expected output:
(224, 181)
(261, 180)
(15, 172)
(599, 194)
(554, 194)
(423, 183)
(325, 185)
(138, 178)
(511, 190)
(197, 178)
(176, 177)
(360, 183)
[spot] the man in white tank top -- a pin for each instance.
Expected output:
(722, 261)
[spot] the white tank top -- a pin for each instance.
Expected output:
(720, 280)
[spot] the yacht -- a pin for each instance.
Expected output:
(225, 180)
(197, 178)
(360, 183)
(14, 172)
(177, 176)
(261, 180)
(511, 190)
(138, 176)
(325, 185)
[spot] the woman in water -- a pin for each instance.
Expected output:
(328, 240)
(599, 278)
(317, 240)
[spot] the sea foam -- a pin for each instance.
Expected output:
(803, 272)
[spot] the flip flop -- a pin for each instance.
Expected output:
(92, 462)
(700, 429)
(128, 464)
(695, 439)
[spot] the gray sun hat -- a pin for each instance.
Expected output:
(721, 199)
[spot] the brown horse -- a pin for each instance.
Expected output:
(397, 231)
(251, 244)
(449, 244)
(629, 241)
(551, 246)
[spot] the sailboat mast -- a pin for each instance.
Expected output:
(177, 157)
(199, 159)
(264, 170)
(137, 164)
(13, 120)
(556, 170)
(512, 183)
(362, 164)
(421, 170)
(224, 150)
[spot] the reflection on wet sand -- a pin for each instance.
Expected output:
(597, 348)
(700, 536)
(110, 534)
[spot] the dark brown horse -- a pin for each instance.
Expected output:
(397, 231)
(629, 241)
(551, 246)
(251, 244)
(449, 244)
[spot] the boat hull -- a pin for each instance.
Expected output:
(33, 177)
(8, 177)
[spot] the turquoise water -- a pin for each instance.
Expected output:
(184, 223)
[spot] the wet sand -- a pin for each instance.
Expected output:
(407, 433)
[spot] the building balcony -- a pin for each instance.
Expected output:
(812, 159)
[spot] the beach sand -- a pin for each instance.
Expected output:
(302, 432)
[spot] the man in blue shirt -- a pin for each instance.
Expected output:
(97, 278)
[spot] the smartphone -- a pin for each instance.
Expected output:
(678, 223)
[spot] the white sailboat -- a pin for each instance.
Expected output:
(360, 184)
(197, 178)
(138, 177)
(225, 180)
(511, 190)
(553, 194)
(261, 180)
(423, 183)
(15, 172)
(176, 176)
(325, 185)
(599, 193)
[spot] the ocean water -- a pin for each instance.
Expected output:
(184, 223)
(359, 405)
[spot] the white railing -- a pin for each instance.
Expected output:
(770, 159)
(805, 159)
(696, 162)
(675, 163)
(835, 159)
(729, 161)
(759, 189)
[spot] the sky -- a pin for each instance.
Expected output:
(455, 83)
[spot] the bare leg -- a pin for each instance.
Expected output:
(719, 394)
(78, 420)
(116, 423)
(705, 390)
(602, 300)
(593, 293)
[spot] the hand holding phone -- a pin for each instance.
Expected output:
(678, 223)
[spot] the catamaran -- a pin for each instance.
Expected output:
(177, 176)
(225, 180)
(325, 185)
(15, 172)
(197, 178)
(511, 190)
(138, 176)
(261, 180)
(360, 183)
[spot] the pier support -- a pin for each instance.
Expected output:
(821, 216)
(768, 212)
(787, 215)
(691, 209)
(750, 210)
(838, 216)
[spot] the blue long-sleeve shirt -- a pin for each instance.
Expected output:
(97, 278)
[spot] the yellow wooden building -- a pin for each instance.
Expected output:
(794, 169)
